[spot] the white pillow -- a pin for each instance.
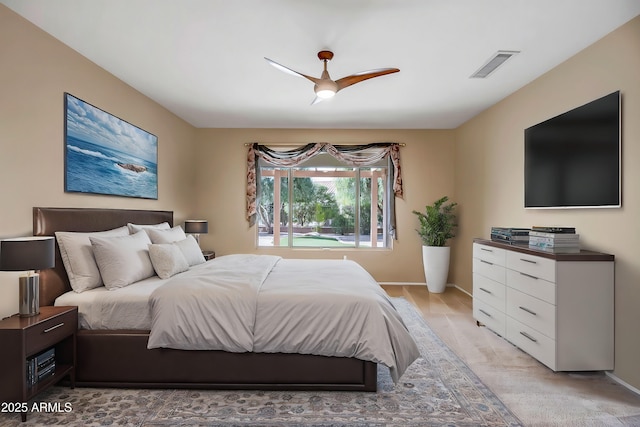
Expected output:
(167, 260)
(166, 236)
(78, 259)
(191, 250)
(134, 228)
(123, 260)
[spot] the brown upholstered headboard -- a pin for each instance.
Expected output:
(46, 221)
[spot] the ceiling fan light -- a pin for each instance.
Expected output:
(325, 93)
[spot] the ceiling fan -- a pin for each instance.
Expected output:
(325, 87)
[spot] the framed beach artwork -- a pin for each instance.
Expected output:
(107, 155)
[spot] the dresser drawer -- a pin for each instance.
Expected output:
(489, 291)
(542, 268)
(533, 342)
(488, 253)
(489, 270)
(533, 286)
(535, 313)
(491, 317)
(51, 331)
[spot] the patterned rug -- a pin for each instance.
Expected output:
(439, 389)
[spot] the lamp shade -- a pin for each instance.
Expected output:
(196, 226)
(27, 253)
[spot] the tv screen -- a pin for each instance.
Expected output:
(573, 160)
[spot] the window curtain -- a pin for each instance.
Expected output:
(352, 155)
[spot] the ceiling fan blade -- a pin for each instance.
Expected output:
(363, 75)
(317, 100)
(290, 71)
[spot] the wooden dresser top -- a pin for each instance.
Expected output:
(583, 255)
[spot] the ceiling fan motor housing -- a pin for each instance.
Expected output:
(325, 88)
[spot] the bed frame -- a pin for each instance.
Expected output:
(120, 358)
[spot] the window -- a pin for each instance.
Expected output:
(324, 195)
(329, 205)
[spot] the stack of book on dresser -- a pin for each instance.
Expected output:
(554, 239)
(41, 366)
(510, 235)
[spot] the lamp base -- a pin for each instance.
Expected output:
(29, 295)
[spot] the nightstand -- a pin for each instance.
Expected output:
(25, 337)
(208, 255)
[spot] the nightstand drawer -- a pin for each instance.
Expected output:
(49, 332)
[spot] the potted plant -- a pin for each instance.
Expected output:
(437, 226)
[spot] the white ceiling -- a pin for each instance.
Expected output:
(203, 59)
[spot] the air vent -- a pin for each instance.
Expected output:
(494, 62)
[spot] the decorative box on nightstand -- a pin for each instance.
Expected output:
(31, 341)
(209, 255)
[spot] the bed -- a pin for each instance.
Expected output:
(111, 354)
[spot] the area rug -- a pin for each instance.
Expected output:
(438, 389)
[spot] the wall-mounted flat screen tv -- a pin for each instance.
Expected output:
(573, 160)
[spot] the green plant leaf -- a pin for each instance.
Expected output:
(437, 223)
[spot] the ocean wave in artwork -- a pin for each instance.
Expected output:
(92, 153)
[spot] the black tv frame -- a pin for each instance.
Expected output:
(581, 110)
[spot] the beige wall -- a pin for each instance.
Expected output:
(489, 178)
(428, 171)
(36, 70)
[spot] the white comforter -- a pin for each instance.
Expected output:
(262, 303)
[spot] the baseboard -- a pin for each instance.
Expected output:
(402, 283)
(623, 383)
(462, 290)
(449, 285)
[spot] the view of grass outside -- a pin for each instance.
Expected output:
(315, 241)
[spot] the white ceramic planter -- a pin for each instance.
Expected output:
(435, 260)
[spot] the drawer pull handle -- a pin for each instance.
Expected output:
(529, 275)
(529, 261)
(526, 335)
(486, 290)
(484, 312)
(527, 310)
(486, 250)
(53, 327)
(486, 262)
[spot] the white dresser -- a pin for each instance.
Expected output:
(559, 308)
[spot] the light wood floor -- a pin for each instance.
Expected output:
(534, 393)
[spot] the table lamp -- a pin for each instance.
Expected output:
(28, 254)
(196, 227)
